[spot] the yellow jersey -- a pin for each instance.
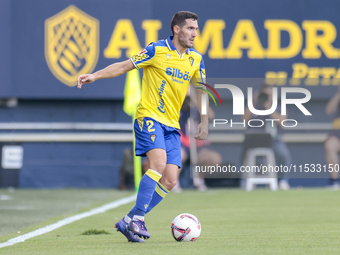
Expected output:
(166, 78)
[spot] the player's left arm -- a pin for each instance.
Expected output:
(202, 128)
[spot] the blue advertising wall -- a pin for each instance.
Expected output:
(45, 45)
(42, 46)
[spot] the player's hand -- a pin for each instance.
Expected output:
(202, 131)
(83, 79)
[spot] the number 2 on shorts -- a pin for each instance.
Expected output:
(149, 123)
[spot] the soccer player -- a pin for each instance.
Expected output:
(169, 65)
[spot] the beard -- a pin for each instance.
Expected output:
(184, 41)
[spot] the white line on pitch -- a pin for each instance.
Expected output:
(69, 220)
(15, 207)
(5, 197)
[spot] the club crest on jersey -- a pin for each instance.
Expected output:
(167, 56)
(153, 138)
(191, 60)
(71, 44)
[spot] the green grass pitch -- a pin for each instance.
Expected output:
(233, 222)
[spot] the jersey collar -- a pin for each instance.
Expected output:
(172, 47)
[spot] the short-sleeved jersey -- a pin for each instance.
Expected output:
(166, 78)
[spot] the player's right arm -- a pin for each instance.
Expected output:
(110, 71)
(143, 59)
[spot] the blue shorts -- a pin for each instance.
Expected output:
(150, 134)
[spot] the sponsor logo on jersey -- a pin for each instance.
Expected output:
(71, 44)
(161, 106)
(177, 73)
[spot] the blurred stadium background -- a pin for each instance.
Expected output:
(76, 138)
(54, 136)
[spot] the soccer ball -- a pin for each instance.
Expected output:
(185, 227)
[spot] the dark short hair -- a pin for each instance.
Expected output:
(179, 19)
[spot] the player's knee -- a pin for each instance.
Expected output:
(158, 165)
(169, 184)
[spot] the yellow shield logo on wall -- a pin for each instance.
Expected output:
(71, 44)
